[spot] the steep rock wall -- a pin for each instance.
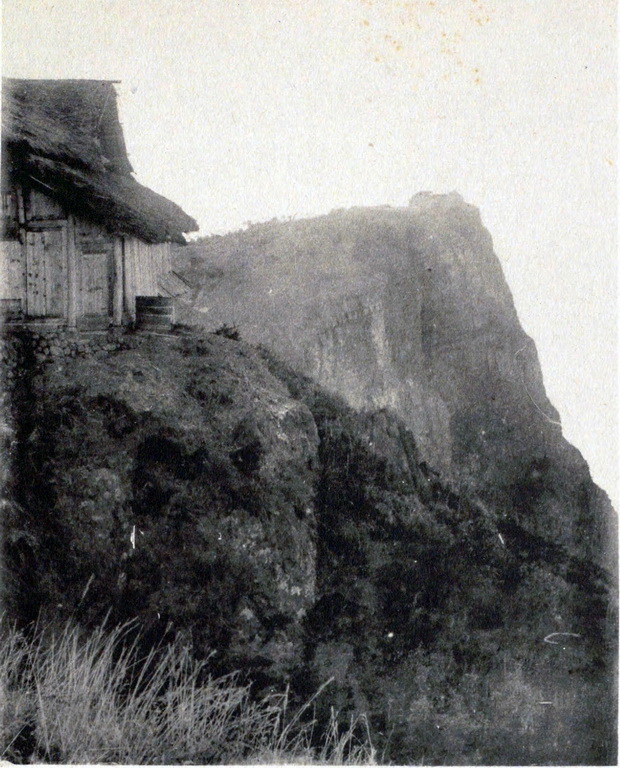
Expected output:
(408, 309)
(205, 489)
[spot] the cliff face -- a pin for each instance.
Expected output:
(408, 309)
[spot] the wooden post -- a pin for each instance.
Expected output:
(21, 217)
(21, 208)
(72, 274)
(128, 279)
(117, 288)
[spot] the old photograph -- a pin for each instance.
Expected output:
(309, 382)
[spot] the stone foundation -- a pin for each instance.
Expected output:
(22, 347)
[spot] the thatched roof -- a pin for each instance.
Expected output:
(65, 137)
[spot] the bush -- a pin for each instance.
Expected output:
(74, 698)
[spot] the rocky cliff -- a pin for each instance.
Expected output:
(170, 481)
(408, 309)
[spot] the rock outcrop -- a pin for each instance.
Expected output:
(408, 309)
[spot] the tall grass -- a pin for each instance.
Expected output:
(76, 698)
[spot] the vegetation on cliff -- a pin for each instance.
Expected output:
(437, 614)
(225, 504)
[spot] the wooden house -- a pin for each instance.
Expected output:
(81, 237)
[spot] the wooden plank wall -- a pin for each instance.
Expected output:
(46, 269)
(55, 255)
(73, 284)
(96, 270)
(12, 271)
(40, 207)
(10, 216)
(144, 263)
(36, 277)
(33, 262)
(134, 266)
(117, 288)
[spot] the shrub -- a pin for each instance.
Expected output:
(229, 331)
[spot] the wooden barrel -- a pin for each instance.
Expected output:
(154, 313)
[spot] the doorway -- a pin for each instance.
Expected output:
(46, 272)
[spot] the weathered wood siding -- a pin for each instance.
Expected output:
(96, 270)
(144, 263)
(46, 271)
(34, 264)
(67, 268)
(12, 270)
(10, 218)
(40, 207)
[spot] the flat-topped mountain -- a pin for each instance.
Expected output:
(408, 309)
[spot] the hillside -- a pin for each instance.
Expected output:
(210, 493)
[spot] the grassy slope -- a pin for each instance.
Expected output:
(71, 698)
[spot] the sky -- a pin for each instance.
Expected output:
(246, 111)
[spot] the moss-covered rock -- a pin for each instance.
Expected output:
(172, 483)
